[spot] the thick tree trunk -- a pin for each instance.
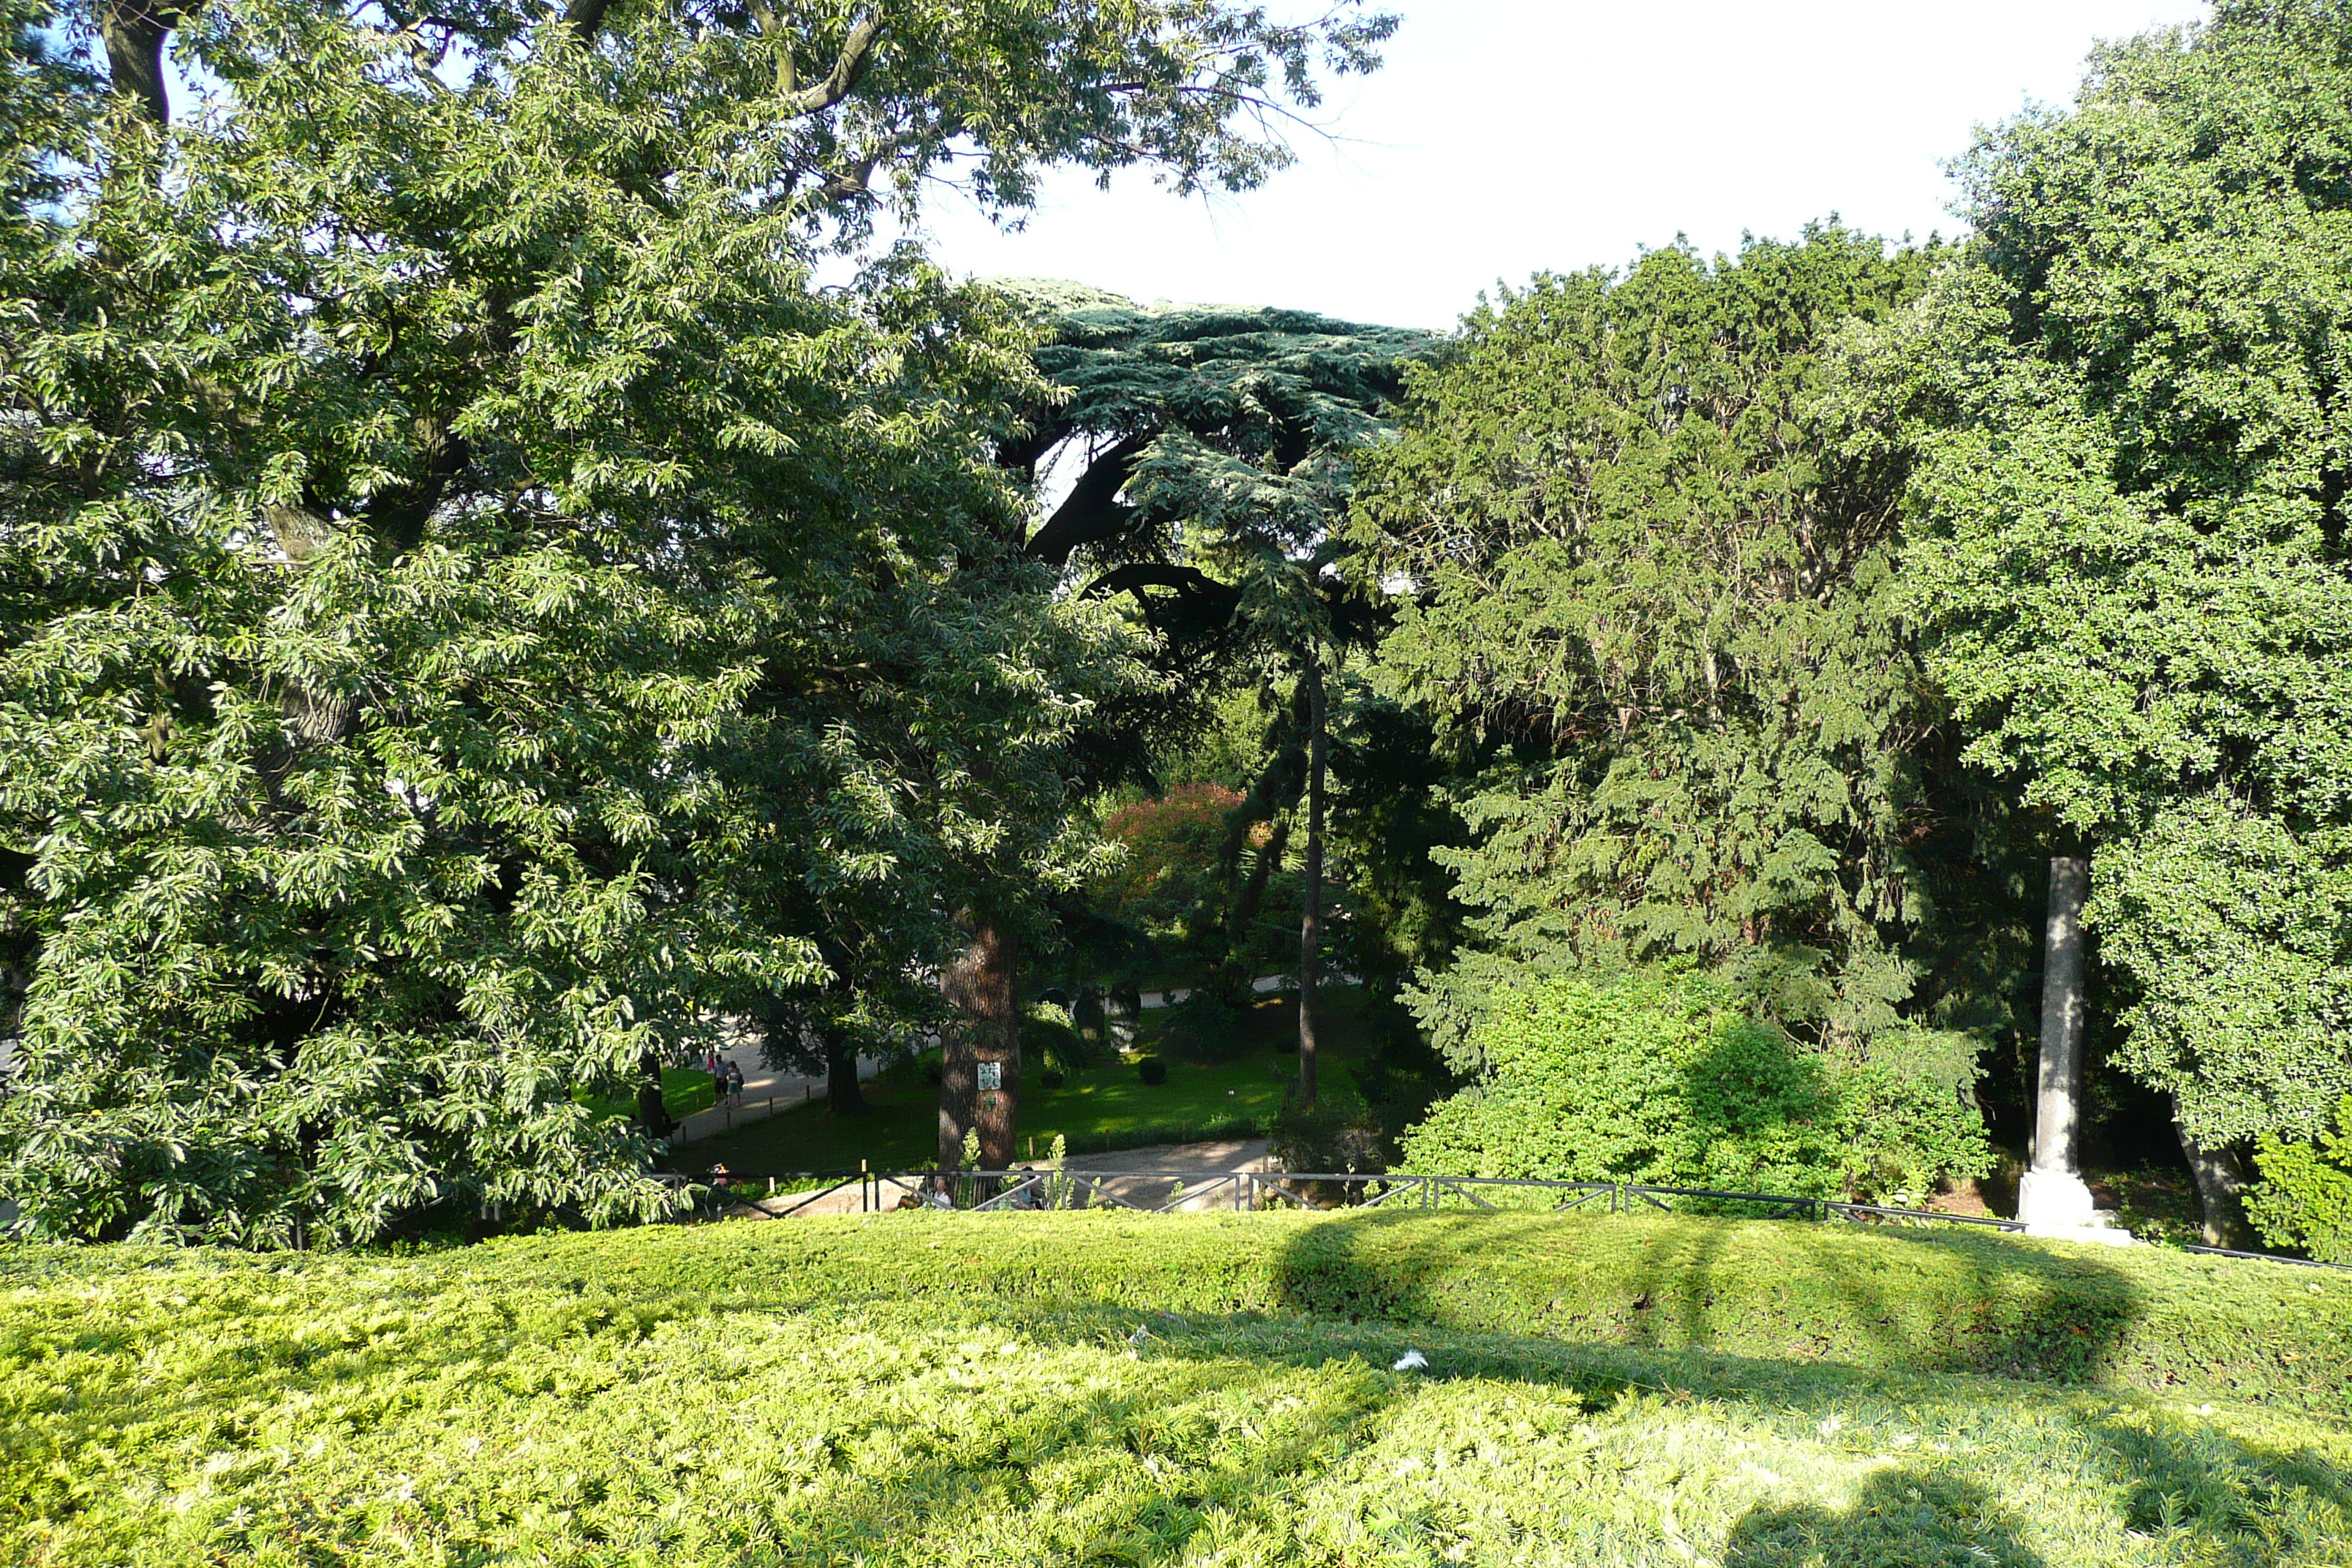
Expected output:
(2220, 1186)
(842, 1097)
(1310, 923)
(652, 1113)
(981, 1049)
(2053, 1193)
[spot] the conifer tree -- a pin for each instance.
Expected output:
(470, 607)
(1218, 449)
(1640, 579)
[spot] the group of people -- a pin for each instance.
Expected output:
(726, 1076)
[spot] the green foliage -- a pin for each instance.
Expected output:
(1669, 1083)
(471, 608)
(1152, 1070)
(1049, 1042)
(923, 1388)
(2304, 1198)
(2126, 547)
(685, 1091)
(1648, 595)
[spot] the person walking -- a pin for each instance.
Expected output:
(734, 1084)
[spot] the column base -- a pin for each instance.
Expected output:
(2056, 1205)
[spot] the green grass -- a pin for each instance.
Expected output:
(1105, 1107)
(923, 1389)
(685, 1091)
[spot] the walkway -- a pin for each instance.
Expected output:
(766, 1092)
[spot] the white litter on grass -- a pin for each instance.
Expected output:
(1411, 1360)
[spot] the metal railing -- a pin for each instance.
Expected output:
(1138, 1191)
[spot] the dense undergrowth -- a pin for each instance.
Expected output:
(925, 1389)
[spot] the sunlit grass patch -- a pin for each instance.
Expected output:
(723, 1397)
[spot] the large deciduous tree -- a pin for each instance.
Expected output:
(2129, 546)
(468, 604)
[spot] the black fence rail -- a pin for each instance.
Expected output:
(1146, 1191)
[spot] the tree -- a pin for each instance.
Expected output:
(1218, 449)
(472, 606)
(2127, 542)
(1647, 590)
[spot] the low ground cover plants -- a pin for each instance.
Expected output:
(921, 1389)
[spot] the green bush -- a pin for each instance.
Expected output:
(1341, 1134)
(1152, 1070)
(1051, 1041)
(1666, 1081)
(2304, 1198)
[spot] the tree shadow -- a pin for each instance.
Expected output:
(2003, 1311)
(1902, 1519)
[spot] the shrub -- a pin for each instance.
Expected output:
(2304, 1198)
(1152, 1070)
(1049, 1038)
(1334, 1136)
(1206, 1025)
(1666, 1081)
(1049, 1078)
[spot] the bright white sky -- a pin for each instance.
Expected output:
(1510, 136)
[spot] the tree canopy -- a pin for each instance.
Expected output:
(2127, 554)
(472, 605)
(1643, 581)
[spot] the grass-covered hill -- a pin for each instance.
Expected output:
(1040, 1389)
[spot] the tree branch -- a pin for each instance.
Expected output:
(1090, 513)
(134, 32)
(585, 17)
(856, 53)
(1189, 582)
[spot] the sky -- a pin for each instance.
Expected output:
(1507, 137)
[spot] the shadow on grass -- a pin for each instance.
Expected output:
(1903, 1519)
(2003, 1310)
(929, 1457)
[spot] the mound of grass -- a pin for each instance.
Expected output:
(921, 1389)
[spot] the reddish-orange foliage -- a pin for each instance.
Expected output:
(1169, 840)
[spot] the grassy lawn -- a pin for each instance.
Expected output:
(685, 1091)
(921, 1389)
(1106, 1107)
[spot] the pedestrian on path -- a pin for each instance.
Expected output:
(734, 1084)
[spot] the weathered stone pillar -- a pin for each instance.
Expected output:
(2051, 1196)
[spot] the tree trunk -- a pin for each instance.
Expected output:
(2220, 1188)
(2052, 1195)
(842, 1097)
(984, 1034)
(1310, 923)
(651, 1111)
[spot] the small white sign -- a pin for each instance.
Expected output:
(992, 1077)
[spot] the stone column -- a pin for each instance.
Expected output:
(2052, 1195)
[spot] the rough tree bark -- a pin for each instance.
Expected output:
(986, 1030)
(843, 1096)
(1310, 923)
